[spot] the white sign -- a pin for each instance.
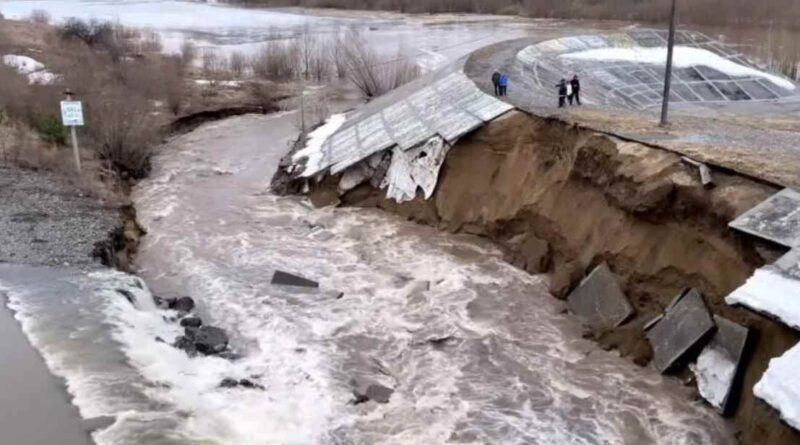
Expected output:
(71, 113)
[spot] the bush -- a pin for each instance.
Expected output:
(277, 60)
(372, 76)
(92, 32)
(50, 129)
(188, 53)
(40, 16)
(237, 63)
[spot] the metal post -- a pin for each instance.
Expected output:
(668, 75)
(74, 136)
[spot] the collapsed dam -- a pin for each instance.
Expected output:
(664, 265)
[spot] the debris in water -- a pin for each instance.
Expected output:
(282, 278)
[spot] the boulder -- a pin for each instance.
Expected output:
(185, 344)
(228, 382)
(191, 322)
(210, 340)
(183, 304)
(374, 392)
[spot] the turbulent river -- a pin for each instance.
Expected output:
(476, 350)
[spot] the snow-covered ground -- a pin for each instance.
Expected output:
(31, 68)
(684, 57)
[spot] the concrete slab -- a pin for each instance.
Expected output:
(600, 300)
(780, 386)
(777, 219)
(685, 327)
(720, 364)
(773, 290)
(282, 278)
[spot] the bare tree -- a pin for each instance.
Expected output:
(368, 73)
(188, 53)
(237, 63)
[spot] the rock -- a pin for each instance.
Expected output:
(249, 384)
(685, 328)
(210, 340)
(379, 393)
(228, 382)
(599, 299)
(185, 344)
(286, 279)
(183, 304)
(128, 295)
(191, 322)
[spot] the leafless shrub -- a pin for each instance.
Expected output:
(263, 94)
(277, 60)
(188, 53)
(92, 32)
(40, 16)
(237, 63)
(368, 73)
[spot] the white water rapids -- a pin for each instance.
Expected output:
(514, 369)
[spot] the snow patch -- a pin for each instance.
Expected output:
(313, 150)
(684, 57)
(31, 68)
(780, 386)
(770, 292)
(715, 372)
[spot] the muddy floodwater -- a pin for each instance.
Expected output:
(476, 350)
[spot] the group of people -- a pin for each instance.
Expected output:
(500, 81)
(569, 91)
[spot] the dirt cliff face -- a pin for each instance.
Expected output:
(561, 199)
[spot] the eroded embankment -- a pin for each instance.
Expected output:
(561, 200)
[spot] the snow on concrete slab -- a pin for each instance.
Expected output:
(684, 57)
(719, 363)
(772, 292)
(780, 386)
(414, 169)
(313, 152)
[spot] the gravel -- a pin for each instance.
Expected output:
(44, 220)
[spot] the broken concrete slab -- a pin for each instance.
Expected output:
(720, 364)
(773, 290)
(705, 172)
(780, 386)
(684, 329)
(600, 300)
(777, 219)
(282, 278)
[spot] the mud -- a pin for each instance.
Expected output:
(561, 199)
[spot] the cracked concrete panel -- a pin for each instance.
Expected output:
(777, 219)
(720, 363)
(600, 300)
(402, 122)
(684, 327)
(413, 169)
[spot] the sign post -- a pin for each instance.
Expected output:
(72, 116)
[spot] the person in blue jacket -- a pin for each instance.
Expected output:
(503, 83)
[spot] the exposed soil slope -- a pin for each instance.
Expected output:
(561, 200)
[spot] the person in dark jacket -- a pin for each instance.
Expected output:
(562, 93)
(576, 89)
(496, 83)
(503, 84)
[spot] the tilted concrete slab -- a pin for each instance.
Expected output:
(720, 364)
(780, 386)
(684, 327)
(774, 290)
(282, 278)
(777, 219)
(599, 299)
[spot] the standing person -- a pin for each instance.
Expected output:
(496, 83)
(503, 84)
(562, 93)
(576, 89)
(569, 92)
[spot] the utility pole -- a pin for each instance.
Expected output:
(668, 75)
